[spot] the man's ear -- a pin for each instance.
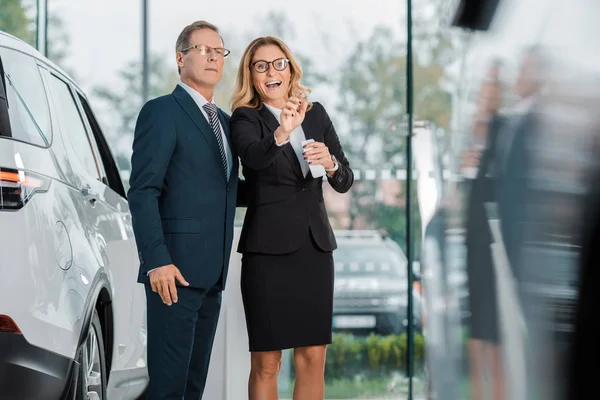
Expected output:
(179, 58)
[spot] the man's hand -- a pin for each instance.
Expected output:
(162, 281)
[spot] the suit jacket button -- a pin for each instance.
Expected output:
(304, 188)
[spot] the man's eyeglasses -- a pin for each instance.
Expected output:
(279, 64)
(207, 50)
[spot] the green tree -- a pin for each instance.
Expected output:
(277, 23)
(372, 105)
(437, 45)
(372, 96)
(58, 42)
(17, 17)
(14, 19)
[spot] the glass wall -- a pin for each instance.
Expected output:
(354, 59)
(501, 254)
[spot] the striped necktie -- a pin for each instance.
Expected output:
(211, 110)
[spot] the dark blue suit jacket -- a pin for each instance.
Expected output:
(181, 202)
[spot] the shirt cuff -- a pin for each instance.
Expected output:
(282, 143)
(148, 273)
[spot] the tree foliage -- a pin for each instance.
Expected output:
(14, 19)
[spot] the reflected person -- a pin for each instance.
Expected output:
(485, 352)
(513, 158)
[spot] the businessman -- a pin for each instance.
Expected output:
(184, 184)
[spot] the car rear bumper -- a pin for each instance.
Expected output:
(30, 372)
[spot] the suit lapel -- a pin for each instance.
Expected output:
(191, 108)
(272, 123)
(309, 127)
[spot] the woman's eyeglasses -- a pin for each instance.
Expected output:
(279, 64)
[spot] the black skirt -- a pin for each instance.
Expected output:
(288, 298)
(482, 292)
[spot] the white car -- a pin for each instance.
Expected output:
(72, 317)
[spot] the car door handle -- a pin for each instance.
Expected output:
(89, 194)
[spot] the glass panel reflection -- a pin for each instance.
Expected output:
(501, 253)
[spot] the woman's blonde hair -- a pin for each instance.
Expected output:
(244, 94)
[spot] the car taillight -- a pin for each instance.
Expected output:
(17, 187)
(8, 325)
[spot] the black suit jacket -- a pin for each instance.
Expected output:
(284, 206)
(481, 191)
(512, 168)
(182, 204)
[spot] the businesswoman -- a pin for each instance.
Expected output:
(286, 241)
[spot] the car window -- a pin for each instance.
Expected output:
(5, 129)
(27, 102)
(366, 259)
(113, 178)
(72, 125)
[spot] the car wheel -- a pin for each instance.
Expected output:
(91, 384)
